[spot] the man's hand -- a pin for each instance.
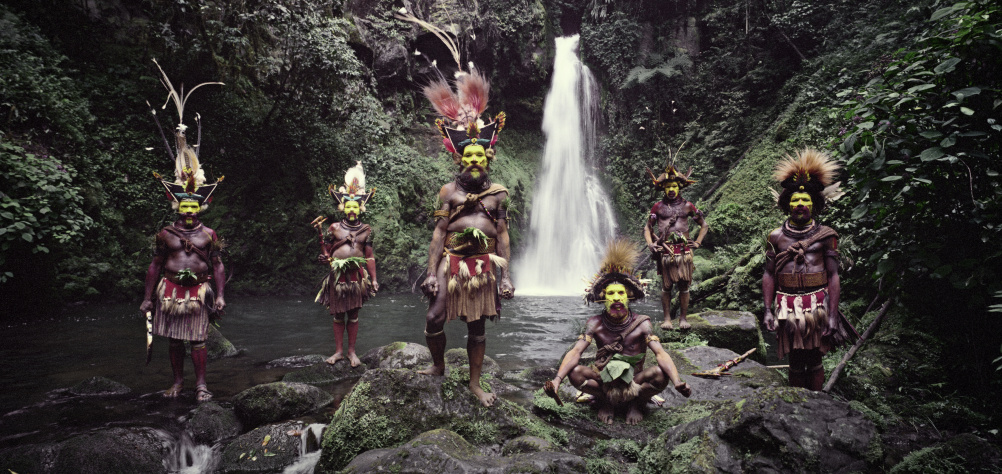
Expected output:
(220, 304)
(552, 388)
(832, 327)
(769, 320)
(693, 244)
(375, 285)
(430, 286)
(655, 248)
(684, 389)
(146, 307)
(324, 259)
(507, 289)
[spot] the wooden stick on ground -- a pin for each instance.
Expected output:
(848, 355)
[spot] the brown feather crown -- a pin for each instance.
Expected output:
(671, 174)
(617, 267)
(809, 171)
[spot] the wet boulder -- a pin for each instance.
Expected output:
(268, 448)
(295, 362)
(745, 379)
(112, 450)
(389, 407)
(324, 373)
(735, 330)
(278, 401)
(526, 444)
(446, 451)
(459, 357)
(398, 355)
(218, 346)
(95, 386)
(209, 422)
(774, 430)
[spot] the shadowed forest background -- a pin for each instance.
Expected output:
(905, 94)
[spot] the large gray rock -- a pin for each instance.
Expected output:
(747, 377)
(458, 357)
(112, 450)
(774, 430)
(265, 449)
(295, 362)
(398, 355)
(218, 346)
(278, 401)
(98, 386)
(734, 330)
(446, 451)
(324, 373)
(209, 422)
(388, 407)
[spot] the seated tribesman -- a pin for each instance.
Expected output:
(186, 257)
(618, 378)
(470, 241)
(347, 250)
(801, 280)
(667, 236)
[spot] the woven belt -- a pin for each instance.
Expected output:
(200, 278)
(803, 280)
(469, 246)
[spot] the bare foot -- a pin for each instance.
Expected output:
(487, 399)
(605, 413)
(334, 358)
(173, 391)
(433, 370)
(202, 393)
(683, 324)
(353, 359)
(666, 324)
(634, 415)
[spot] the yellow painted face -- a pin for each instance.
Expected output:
(616, 294)
(188, 207)
(801, 199)
(474, 155)
(352, 208)
(672, 187)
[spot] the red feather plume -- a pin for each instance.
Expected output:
(442, 99)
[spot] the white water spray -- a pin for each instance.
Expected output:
(571, 218)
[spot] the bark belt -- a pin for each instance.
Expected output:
(803, 280)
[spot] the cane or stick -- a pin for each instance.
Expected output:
(551, 390)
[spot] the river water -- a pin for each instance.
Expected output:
(51, 352)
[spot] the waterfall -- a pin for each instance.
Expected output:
(571, 217)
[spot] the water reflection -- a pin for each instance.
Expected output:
(53, 352)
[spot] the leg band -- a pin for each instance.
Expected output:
(197, 345)
(479, 339)
(435, 334)
(355, 320)
(340, 317)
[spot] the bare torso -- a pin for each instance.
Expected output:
(357, 237)
(473, 214)
(814, 255)
(180, 255)
(674, 217)
(635, 342)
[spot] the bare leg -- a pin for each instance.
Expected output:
(587, 380)
(434, 329)
(683, 304)
(352, 336)
(815, 377)
(797, 373)
(666, 304)
(200, 357)
(176, 353)
(338, 339)
(476, 346)
(652, 381)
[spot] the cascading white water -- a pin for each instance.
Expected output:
(571, 217)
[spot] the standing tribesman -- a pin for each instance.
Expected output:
(347, 250)
(667, 236)
(470, 241)
(618, 378)
(186, 257)
(801, 281)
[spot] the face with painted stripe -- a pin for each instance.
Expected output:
(617, 301)
(188, 210)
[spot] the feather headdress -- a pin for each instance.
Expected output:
(617, 266)
(808, 171)
(189, 178)
(353, 189)
(671, 173)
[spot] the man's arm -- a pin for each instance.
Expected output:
(325, 250)
(219, 275)
(570, 361)
(649, 232)
(834, 287)
(504, 251)
(668, 367)
(437, 246)
(370, 262)
(769, 285)
(152, 277)
(703, 227)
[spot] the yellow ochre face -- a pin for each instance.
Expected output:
(352, 209)
(617, 300)
(672, 189)
(801, 199)
(474, 155)
(188, 210)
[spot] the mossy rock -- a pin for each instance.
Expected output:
(324, 373)
(278, 401)
(526, 444)
(388, 407)
(442, 450)
(735, 330)
(398, 355)
(113, 450)
(745, 380)
(218, 346)
(210, 422)
(776, 429)
(458, 357)
(267, 448)
(98, 386)
(295, 362)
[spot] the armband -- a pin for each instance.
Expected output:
(650, 338)
(501, 214)
(585, 338)
(440, 213)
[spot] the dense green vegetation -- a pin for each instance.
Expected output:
(905, 94)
